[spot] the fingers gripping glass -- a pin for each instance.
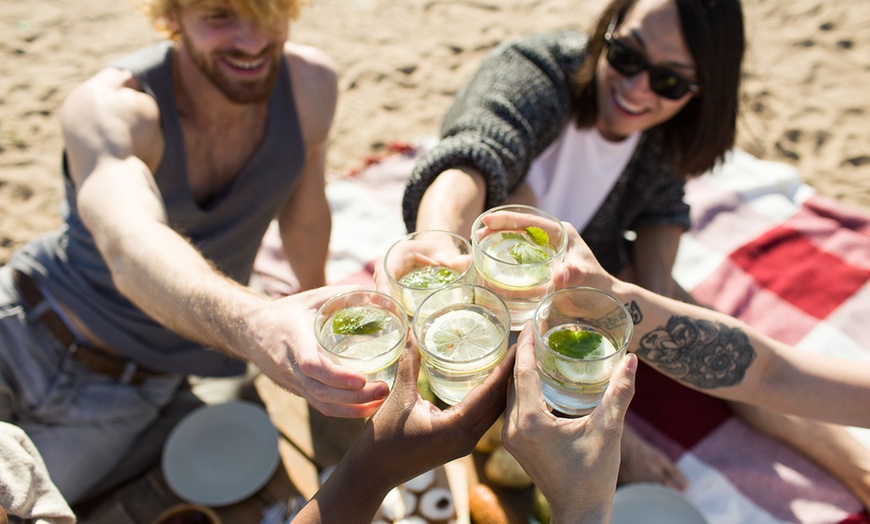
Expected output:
(628, 62)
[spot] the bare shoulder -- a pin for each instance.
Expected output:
(110, 114)
(315, 86)
(311, 65)
(110, 94)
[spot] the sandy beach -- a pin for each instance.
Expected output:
(805, 100)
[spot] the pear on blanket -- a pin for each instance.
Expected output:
(502, 469)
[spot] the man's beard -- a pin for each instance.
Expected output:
(237, 91)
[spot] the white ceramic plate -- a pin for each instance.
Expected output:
(644, 503)
(221, 454)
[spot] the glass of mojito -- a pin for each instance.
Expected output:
(421, 262)
(363, 330)
(581, 334)
(462, 332)
(515, 249)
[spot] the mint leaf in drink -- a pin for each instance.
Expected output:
(538, 236)
(358, 320)
(513, 236)
(574, 343)
(525, 253)
(428, 277)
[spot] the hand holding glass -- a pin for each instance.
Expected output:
(363, 330)
(581, 334)
(421, 262)
(462, 332)
(515, 249)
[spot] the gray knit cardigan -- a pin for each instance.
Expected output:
(515, 106)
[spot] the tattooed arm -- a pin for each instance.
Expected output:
(702, 353)
(723, 357)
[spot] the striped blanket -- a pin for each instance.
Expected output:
(764, 248)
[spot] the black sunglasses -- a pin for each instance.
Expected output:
(628, 62)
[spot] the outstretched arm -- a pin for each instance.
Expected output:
(113, 142)
(723, 357)
(512, 109)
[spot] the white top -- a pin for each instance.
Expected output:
(572, 177)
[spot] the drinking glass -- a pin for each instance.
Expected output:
(581, 334)
(363, 330)
(462, 332)
(515, 249)
(421, 262)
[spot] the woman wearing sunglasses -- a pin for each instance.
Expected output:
(602, 131)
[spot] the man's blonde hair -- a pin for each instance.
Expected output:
(262, 11)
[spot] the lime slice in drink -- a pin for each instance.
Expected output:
(580, 345)
(428, 277)
(580, 371)
(517, 277)
(359, 320)
(368, 347)
(519, 256)
(462, 335)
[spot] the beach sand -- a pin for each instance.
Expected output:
(805, 96)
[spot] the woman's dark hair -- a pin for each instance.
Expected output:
(699, 135)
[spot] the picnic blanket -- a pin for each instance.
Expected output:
(764, 247)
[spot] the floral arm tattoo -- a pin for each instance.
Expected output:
(702, 353)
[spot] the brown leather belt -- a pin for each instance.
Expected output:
(99, 361)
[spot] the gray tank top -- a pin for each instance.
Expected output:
(228, 230)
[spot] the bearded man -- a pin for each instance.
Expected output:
(176, 160)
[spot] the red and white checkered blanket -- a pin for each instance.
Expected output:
(764, 248)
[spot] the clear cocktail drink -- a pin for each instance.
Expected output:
(581, 334)
(515, 250)
(462, 333)
(365, 331)
(421, 262)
